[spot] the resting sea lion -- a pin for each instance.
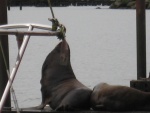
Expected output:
(119, 98)
(59, 86)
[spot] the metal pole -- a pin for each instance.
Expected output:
(31, 33)
(141, 39)
(4, 41)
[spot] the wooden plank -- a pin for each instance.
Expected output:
(143, 85)
(76, 112)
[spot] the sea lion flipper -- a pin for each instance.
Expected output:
(61, 108)
(99, 107)
(66, 108)
(40, 107)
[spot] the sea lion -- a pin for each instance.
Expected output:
(119, 98)
(59, 86)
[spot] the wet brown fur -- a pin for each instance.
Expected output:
(119, 98)
(59, 86)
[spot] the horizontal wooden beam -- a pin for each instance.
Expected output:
(76, 112)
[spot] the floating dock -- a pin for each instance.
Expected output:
(76, 112)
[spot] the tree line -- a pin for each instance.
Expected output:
(42, 3)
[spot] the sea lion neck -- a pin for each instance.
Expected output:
(65, 71)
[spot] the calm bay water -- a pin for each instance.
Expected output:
(102, 43)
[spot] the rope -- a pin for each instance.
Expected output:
(8, 74)
(3, 55)
(56, 24)
(49, 2)
(62, 33)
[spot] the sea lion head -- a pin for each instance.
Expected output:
(63, 51)
(59, 56)
(56, 65)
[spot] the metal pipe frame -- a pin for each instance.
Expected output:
(31, 33)
(5, 30)
(27, 25)
(20, 53)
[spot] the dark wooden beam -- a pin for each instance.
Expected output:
(4, 41)
(76, 112)
(141, 39)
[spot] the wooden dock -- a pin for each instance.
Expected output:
(76, 112)
(47, 109)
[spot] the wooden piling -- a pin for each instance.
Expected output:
(20, 4)
(4, 42)
(141, 39)
(8, 4)
(142, 83)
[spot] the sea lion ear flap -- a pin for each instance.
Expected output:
(64, 53)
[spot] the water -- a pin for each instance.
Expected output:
(102, 43)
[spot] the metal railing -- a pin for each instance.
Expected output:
(25, 35)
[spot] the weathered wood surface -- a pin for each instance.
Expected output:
(37, 111)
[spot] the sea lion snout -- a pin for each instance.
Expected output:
(64, 53)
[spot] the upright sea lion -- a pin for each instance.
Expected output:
(119, 98)
(59, 86)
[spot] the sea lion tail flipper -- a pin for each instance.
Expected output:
(40, 107)
(98, 107)
(65, 108)
(60, 108)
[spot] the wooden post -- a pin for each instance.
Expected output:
(4, 41)
(20, 4)
(141, 39)
(141, 84)
(8, 4)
